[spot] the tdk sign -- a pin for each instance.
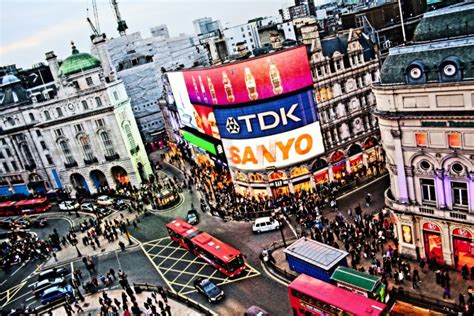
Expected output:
(268, 118)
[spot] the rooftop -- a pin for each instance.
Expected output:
(356, 278)
(315, 253)
(78, 62)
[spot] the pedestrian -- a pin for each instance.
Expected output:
(462, 301)
(465, 272)
(54, 255)
(447, 292)
(415, 279)
(112, 273)
(117, 302)
(122, 246)
(456, 261)
(78, 307)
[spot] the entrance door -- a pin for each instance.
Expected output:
(433, 246)
(462, 249)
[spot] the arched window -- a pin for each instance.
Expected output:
(64, 145)
(59, 111)
(128, 132)
(85, 106)
(108, 145)
(98, 101)
(46, 115)
(86, 147)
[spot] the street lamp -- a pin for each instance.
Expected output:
(279, 217)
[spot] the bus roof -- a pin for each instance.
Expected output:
(181, 227)
(7, 203)
(333, 295)
(216, 247)
(356, 278)
(32, 201)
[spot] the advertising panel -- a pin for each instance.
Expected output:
(277, 151)
(206, 121)
(268, 118)
(181, 97)
(251, 80)
(200, 142)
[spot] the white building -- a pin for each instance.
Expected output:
(425, 107)
(81, 139)
(244, 33)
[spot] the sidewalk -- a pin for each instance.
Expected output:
(91, 304)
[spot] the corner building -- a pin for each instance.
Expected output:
(425, 106)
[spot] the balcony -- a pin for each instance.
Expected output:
(135, 150)
(112, 157)
(70, 165)
(90, 161)
(427, 210)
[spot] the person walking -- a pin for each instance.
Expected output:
(447, 292)
(415, 279)
(462, 301)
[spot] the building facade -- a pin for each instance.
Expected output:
(425, 106)
(244, 33)
(82, 138)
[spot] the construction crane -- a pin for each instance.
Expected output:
(121, 24)
(95, 28)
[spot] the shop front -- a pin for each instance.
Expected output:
(339, 170)
(433, 242)
(301, 179)
(321, 177)
(259, 187)
(279, 183)
(356, 163)
(463, 247)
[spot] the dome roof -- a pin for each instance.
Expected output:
(78, 62)
(8, 79)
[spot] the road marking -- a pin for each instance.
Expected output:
(29, 298)
(72, 270)
(360, 188)
(116, 256)
(157, 269)
(22, 265)
(272, 276)
(177, 260)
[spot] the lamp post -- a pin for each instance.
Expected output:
(128, 237)
(279, 217)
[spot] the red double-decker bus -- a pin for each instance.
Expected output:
(310, 296)
(38, 205)
(223, 257)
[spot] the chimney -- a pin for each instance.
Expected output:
(53, 64)
(99, 43)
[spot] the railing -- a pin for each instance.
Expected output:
(398, 293)
(71, 164)
(175, 296)
(285, 274)
(91, 161)
(112, 157)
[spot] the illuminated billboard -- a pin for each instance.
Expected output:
(181, 97)
(206, 121)
(279, 150)
(251, 80)
(268, 118)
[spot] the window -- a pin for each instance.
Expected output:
(108, 145)
(49, 159)
(78, 128)
(428, 193)
(1, 154)
(250, 34)
(5, 166)
(38, 133)
(85, 106)
(7, 151)
(64, 145)
(100, 123)
(60, 112)
(454, 140)
(46, 115)
(58, 132)
(43, 145)
(86, 147)
(425, 165)
(457, 168)
(421, 139)
(14, 165)
(128, 132)
(32, 117)
(25, 150)
(89, 81)
(460, 196)
(116, 96)
(98, 101)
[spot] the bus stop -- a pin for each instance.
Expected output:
(314, 258)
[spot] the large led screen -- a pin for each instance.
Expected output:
(268, 118)
(277, 151)
(206, 121)
(252, 80)
(181, 97)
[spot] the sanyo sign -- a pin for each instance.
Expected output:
(275, 151)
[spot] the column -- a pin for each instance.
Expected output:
(411, 184)
(439, 186)
(290, 186)
(399, 162)
(448, 199)
(330, 173)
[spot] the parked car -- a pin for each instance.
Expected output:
(69, 205)
(105, 200)
(87, 207)
(192, 217)
(52, 273)
(102, 212)
(55, 293)
(39, 222)
(121, 205)
(264, 224)
(39, 287)
(211, 291)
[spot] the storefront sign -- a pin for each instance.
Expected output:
(250, 80)
(462, 232)
(431, 227)
(277, 183)
(447, 124)
(265, 119)
(275, 151)
(407, 234)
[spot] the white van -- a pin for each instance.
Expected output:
(264, 224)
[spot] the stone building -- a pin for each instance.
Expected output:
(425, 106)
(81, 138)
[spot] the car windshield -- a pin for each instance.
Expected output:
(209, 286)
(235, 263)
